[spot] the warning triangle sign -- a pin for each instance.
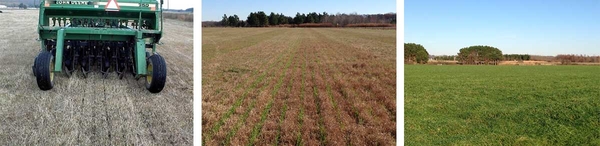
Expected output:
(112, 5)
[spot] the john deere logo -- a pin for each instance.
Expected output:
(73, 2)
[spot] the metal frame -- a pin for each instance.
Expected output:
(95, 12)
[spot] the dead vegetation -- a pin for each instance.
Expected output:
(92, 111)
(371, 25)
(301, 86)
(316, 25)
(183, 16)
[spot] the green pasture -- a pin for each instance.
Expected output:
(502, 105)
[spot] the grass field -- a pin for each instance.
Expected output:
(92, 111)
(298, 86)
(502, 105)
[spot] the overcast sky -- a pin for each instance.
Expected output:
(178, 4)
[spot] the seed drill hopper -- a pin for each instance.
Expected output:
(100, 35)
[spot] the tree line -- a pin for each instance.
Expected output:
(518, 57)
(505, 57)
(22, 6)
(261, 19)
(563, 58)
(571, 58)
(445, 57)
(416, 53)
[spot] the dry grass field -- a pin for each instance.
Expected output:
(298, 86)
(92, 111)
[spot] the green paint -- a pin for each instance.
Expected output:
(140, 57)
(59, 50)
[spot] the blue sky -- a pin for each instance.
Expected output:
(539, 27)
(213, 10)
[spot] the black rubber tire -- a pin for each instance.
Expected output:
(42, 70)
(33, 67)
(158, 73)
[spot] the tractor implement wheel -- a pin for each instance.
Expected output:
(33, 67)
(44, 63)
(156, 73)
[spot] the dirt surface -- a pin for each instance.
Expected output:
(298, 86)
(92, 111)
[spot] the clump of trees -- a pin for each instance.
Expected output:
(261, 19)
(480, 55)
(571, 58)
(519, 57)
(233, 21)
(415, 53)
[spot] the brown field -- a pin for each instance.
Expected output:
(92, 111)
(183, 16)
(298, 86)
